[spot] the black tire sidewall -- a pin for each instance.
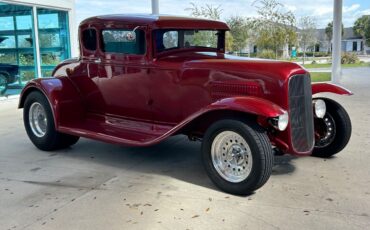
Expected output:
(342, 133)
(251, 183)
(46, 142)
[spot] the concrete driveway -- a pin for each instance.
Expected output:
(94, 185)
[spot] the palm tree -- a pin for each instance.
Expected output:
(362, 28)
(329, 34)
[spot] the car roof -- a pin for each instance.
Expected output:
(155, 21)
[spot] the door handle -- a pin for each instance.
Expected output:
(97, 61)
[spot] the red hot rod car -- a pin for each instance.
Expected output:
(143, 78)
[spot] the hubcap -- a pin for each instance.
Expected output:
(37, 119)
(231, 156)
(325, 131)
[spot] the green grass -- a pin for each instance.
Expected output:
(312, 66)
(320, 76)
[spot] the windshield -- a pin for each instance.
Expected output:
(175, 39)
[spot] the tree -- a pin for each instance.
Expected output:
(239, 31)
(275, 27)
(229, 41)
(307, 34)
(329, 34)
(206, 11)
(362, 28)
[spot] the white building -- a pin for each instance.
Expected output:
(35, 35)
(350, 42)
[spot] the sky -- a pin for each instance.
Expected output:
(320, 10)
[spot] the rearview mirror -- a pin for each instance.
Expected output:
(131, 36)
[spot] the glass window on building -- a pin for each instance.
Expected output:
(17, 54)
(19, 61)
(53, 38)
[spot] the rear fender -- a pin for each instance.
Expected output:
(329, 88)
(64, 98)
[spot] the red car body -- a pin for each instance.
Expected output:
(140, 100)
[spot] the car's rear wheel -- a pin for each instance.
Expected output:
(39, 124)
(3, 84)
(332, 133)
(237, 156)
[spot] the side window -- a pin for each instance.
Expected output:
(89, 39)
(124, 41)
(170, 39)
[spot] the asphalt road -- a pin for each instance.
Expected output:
(94, 185)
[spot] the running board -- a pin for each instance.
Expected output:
(117, 130)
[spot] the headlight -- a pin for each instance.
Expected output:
(280, 122)
(283, 121)
(319, 107)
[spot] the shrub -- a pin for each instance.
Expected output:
(349, 58)
(313, 54)
(321, 54)
(313, 62)
(267, 54)
(253, 55)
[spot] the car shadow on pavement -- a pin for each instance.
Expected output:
(176, 157)
(283, 165)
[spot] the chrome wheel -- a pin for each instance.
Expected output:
(231, 156)
(37, 119)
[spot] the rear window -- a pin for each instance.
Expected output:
(124, 41)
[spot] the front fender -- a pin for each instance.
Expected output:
(252, 105)
(248, 104)
(64, 99)
(329, 88)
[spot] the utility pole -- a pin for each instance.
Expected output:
(155, 7)
(337, 40)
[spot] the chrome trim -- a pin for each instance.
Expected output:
(301, 123)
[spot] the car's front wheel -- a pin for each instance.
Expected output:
(332, 133)
(237, 156)
(39, 124)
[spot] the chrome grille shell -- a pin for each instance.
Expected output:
(301, 113)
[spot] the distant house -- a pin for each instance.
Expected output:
(350, 42)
